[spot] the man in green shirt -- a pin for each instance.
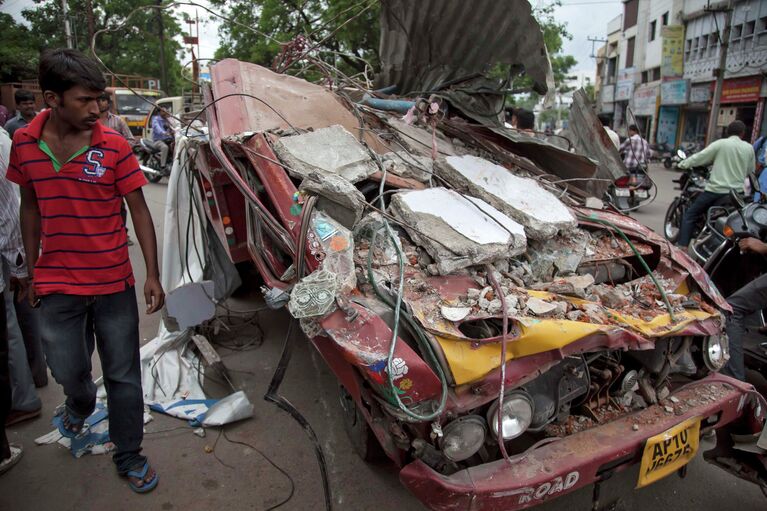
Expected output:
(732, 160)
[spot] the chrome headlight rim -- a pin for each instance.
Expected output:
(516, 396)
(456, 428)
(716, 352)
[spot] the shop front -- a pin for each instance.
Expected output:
(740, 102)
(673, 95)
(624, 91)
(645, 104)
(695, 116)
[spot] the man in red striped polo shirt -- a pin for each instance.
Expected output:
(74, 174)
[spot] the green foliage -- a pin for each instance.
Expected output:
(18, 59)
(348, 47)
(133, 49)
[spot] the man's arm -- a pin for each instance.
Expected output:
(144, 229)
(30, 234)
(704, 157)
(625, 145)
(124, 130)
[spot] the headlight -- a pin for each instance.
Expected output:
(716, 351)
(516, 415)
(463, 437)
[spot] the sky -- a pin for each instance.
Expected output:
(584, 18)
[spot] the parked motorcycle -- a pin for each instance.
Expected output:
(148, 156)
(629, 192)
(730, 269)
(691, 183)
(661, 153)
(684, 151)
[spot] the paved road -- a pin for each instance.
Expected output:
(238, 477)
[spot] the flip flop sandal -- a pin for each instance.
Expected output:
(76, 426)
(16, 454)
(141, 474)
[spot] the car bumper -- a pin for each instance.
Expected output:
(583, 458)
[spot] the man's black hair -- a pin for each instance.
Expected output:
(525, 119)
(634, 127)
(736, 128)
(604, 119)
(61, 69)
(22, 95)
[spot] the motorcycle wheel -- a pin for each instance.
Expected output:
(673, 220)
(667, 163)
(146, 161)
(364, 441)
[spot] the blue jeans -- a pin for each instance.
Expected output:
(68, 324)
(699, 207)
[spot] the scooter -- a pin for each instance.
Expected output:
(630, 192)
(148, 156)
(730, 269)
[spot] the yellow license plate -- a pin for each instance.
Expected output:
(666, 453)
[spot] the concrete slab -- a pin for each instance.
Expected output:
(523, 199)
(470, 231)
(329, 151)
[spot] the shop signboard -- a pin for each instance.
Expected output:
(700, 93)
(741, 90)
(672, 56)
(624, 87)
(668, 124)
(645, 99)
(674, 92)
(608, 94)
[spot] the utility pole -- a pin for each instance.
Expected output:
(67, 28)
(91, 20)
(161, 34)
(723, 47)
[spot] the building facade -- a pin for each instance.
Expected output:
(666, 55)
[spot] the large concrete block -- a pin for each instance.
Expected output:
(329, 151)
(462, 231)
(523, 199)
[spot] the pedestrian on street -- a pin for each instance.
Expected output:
(636, 151)
(10, 250)
(25, 111)
(744, 302)
(614, 138)
(25, 402)
(73, 175)
(116, 123)
(733, 159)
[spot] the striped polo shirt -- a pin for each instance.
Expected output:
(84, 243)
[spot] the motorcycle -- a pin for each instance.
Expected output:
(682, 152)
(661, 153)
(730, 269)
(629, 192)
(691, 184)
(148, 156)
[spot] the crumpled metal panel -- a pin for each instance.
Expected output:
(426, 43)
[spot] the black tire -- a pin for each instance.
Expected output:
(364, 441)
(667, 163)
(622, 204)
(153, 178)
(673, 220)
(145, 160)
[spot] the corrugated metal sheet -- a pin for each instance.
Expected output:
(427, 43)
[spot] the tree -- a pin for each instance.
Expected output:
(133, 49)
(261, 25)
(18, 60)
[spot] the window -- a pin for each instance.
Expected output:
(644, 76)
(656, 74)
(630, 12)
(664, 19)
(630, 52)
(653, 24)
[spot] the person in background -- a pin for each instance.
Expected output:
(162, 135)
(112, 121)
(83, 278)
(10, 249)
(525, 121)
(614, 138)
(25, 111)
(4, 115)
(760, 151)
(732, 159)
(116, 123)
(636, 151)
